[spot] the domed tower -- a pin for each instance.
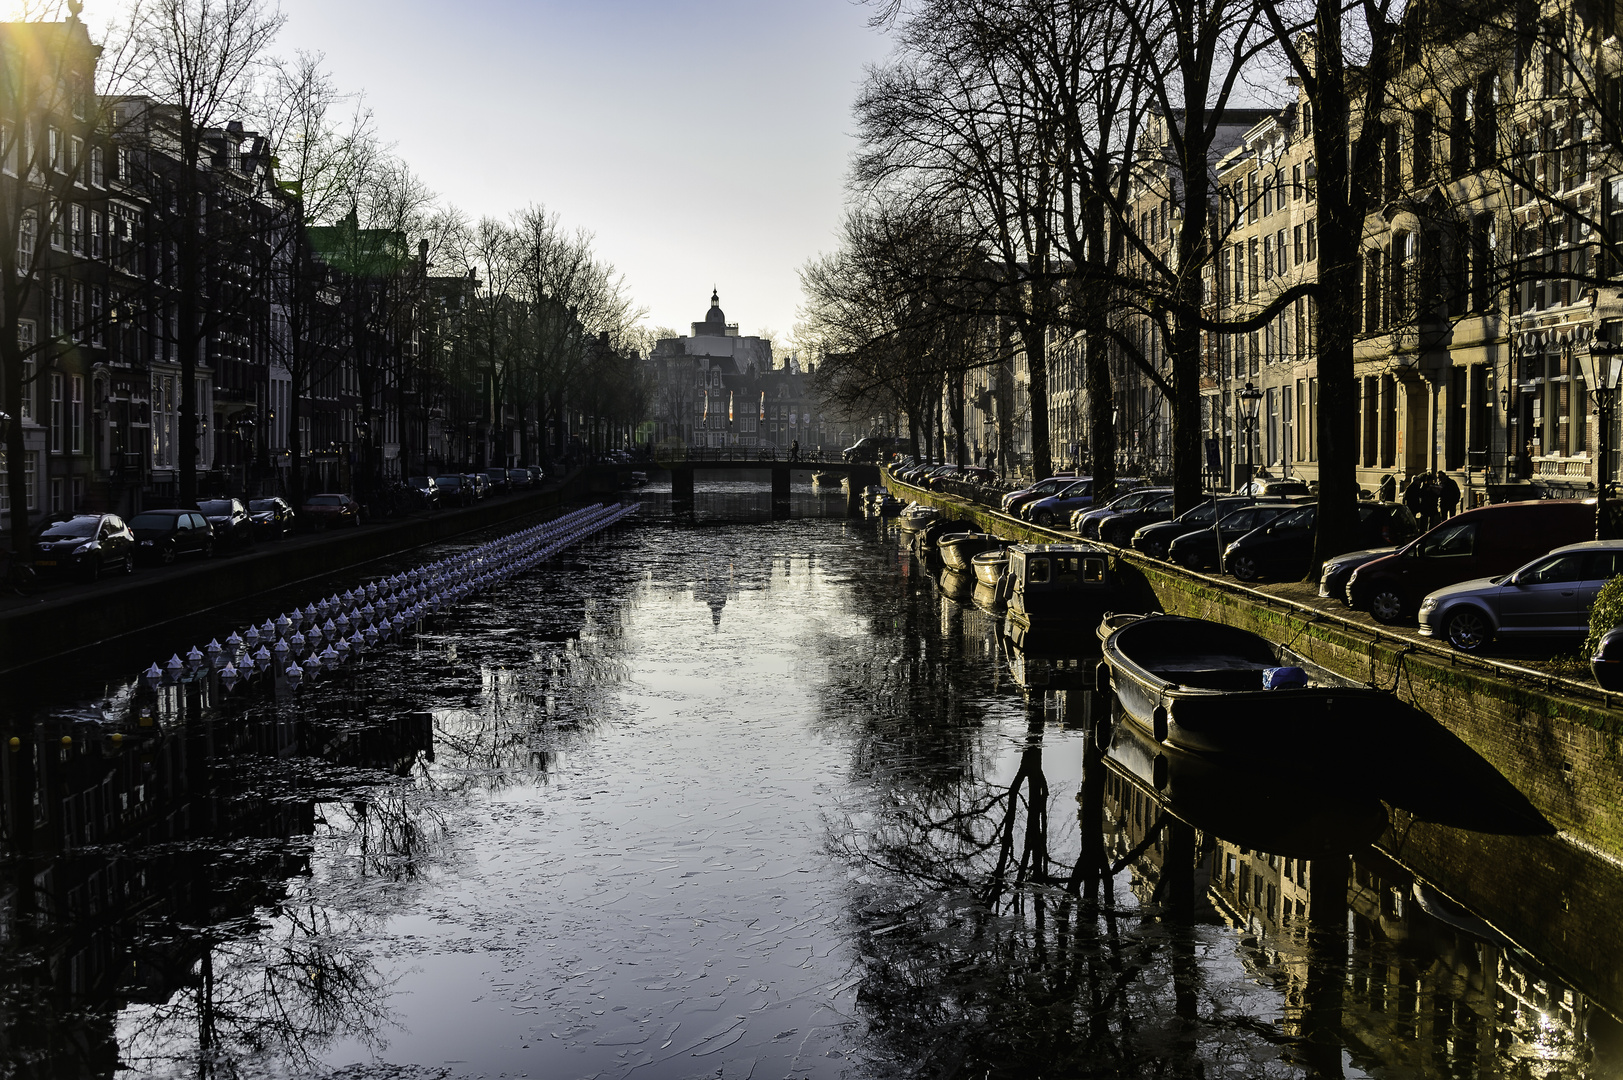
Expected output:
(715, 322)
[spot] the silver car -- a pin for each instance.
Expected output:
(1549, 597)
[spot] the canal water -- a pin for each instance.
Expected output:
(723, 795)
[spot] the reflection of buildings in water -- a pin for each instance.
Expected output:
(155, 811)
(1424, 987)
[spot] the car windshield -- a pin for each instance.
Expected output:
(1076, 487)
(262, 504)
(1449, 541)
(214, 506)
(417, 481)
(1199, 515)
(1130, 502)
(1162, 502)
(79, 526)
(326, 500)
(448, 481)
(161, 522)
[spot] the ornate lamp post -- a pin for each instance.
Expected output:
(1600, 364)
(1249, 398)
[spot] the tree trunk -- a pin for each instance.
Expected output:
(1034, 338)
(1101, 418)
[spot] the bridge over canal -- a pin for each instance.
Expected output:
(683, 465)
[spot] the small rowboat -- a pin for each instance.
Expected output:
(989, 565)
(960, 548)
(1213, 689)
(1057, 591)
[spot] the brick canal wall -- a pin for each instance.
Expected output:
(1557, 744)
(55, 626)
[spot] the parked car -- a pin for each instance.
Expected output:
(331, 509)
(1263, 488)
(1154, 539)
(85, 545)
(230, 521)
(1056, 508)
(977, 474)
(519, 479)
(1014, 500)
(1549, 597)
(271, 517)
(1086, 522)
(869, 448)
(536, 475)
(426, 490)
(480, 482)
(498, 481)
(1333, 577)
(1478, 543)
(1198, 549)
(163, 536)
(455, 489)
(1284, 547)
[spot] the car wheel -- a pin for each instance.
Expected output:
(129, 562)
(1155, 551)
(93, 571)
(1467, 630)
(208, 549)
(1045, 519)
(166, 554)
(1244, 567)
(1385, 604)
(1189, 560)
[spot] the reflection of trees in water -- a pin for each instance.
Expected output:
(992, 943)
(281, 989)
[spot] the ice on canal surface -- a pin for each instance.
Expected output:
(721, 799)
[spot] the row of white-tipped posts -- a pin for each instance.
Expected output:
(299, 645)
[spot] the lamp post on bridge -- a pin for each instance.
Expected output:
(1600, 365)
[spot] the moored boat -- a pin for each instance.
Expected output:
(959, 548)
(917, 516)
(989, 565)
(1056, 591)
(959, 588)
(1218, 690)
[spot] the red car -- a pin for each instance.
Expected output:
(331, 510)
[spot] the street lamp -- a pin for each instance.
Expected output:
(1600, 363)
(1250, 397)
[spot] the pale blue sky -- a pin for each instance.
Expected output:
(703, 141)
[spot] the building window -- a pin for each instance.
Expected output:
(76, 328)
(27, 237)
(55, 149)
(76, 414)
(59, 228)
(97, 305)
(57, 418)
(76, 228)
(96, 249)
(59, 305)
(1312, 243)
(76, 157)
(98, 167)
(1280, 252)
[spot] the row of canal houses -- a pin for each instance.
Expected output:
(1489, 260)
(329, 348)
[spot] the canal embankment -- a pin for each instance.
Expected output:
(59, 622)
(1555, 739)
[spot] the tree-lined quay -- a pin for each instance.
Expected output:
(1083, 235)
(223, 281)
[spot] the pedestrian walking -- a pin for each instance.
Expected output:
(1448, 495)
(1414, 495)
(794, 450)
(1389, 488)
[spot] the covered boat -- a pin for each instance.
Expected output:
(990, 564)
(960, 548)
(1214, 689)
(1056, 591)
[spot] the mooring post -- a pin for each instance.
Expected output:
(853, 497)
(780, 483)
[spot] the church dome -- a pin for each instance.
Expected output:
(715, 315)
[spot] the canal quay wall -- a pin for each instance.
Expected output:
(52, 627)
(1556, 740)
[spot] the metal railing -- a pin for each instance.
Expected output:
(746, 455)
